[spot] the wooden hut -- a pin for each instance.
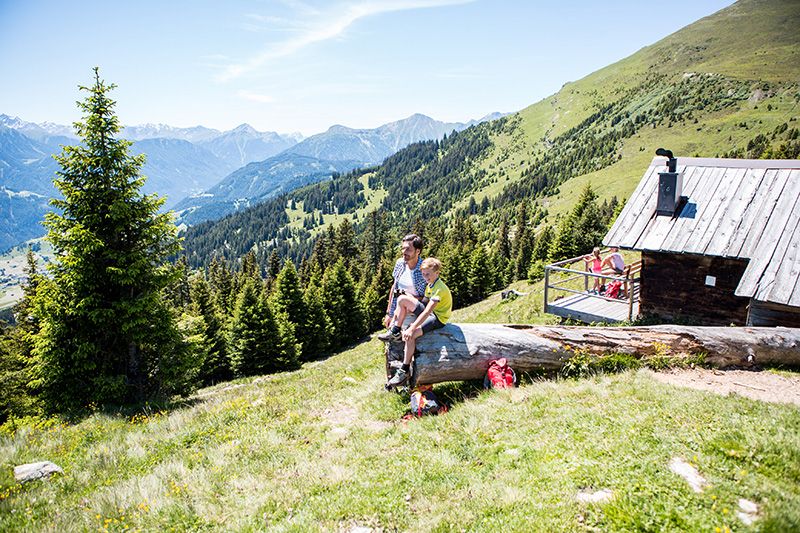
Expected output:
(719, 238)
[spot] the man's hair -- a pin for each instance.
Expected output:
(414, 239)
(431, 263)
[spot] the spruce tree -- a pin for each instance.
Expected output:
(274, 266)
(222, 285)
(374, 240)
(543, 242)
(216, 365)
(342, 306)
(17, 392)
(317, 325)
(345, 242)
(260, 341)
(107, 334)
(287, 298)
(481, 275)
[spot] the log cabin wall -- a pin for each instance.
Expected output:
(673, 286)
(772, 314)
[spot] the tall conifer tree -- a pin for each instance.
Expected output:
(342, 305)
(107, 335)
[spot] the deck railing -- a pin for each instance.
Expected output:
(570, 280)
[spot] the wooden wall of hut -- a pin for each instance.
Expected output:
(771, 314)
(673, 286)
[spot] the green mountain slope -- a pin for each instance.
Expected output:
(728, 84)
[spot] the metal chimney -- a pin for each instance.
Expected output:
(670, 185)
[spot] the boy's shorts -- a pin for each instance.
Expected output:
(431, 323)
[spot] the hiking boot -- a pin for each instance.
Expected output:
(400, 377)
(391, 335)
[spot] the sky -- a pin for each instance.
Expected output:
(303, 66)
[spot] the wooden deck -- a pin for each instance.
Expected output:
(566, 294)
(589, 308)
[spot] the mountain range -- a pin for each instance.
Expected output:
(337, 150)
(203, 172)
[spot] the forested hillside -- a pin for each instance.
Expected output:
(723, 86)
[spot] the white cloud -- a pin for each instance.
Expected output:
(327, 26)
(254, 97)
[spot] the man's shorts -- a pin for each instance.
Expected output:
(431, 323)
(617, 270)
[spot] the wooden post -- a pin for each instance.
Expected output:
(631, 290)
(546, 284)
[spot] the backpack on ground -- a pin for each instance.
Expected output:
(499, 375)
(612, 291)
(424, 402)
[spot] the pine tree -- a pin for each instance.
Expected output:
(523, 245)
(581, 230)
(455, 273)
(503, 244)
(107, 334)
(287, 298)
(216, 365)
(543, 243)
(317, 325)
(222, 285)
(374, 240)
(178, 291)
(250, 268)
(274, 266)
(17, 391)
(345, 242)
(259, 341)
(481, 275)
(342, 306)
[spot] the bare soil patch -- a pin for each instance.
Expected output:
(758, 385)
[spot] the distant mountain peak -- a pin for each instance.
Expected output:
(245, 128)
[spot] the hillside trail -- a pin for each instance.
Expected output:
(759, 385)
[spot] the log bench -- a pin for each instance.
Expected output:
(463, 351)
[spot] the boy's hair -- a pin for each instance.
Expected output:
(431, 263)
(416, 240)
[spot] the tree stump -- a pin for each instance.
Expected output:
(463, 351)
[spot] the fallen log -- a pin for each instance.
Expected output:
(463, 351)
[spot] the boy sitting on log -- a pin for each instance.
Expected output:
(432, 313)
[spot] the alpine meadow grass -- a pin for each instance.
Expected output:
(325, 449)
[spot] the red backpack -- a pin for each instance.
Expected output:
(499, 375)
(612, 289)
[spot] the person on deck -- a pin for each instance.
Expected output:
(595, 263)
(615, 261)
(407, 275)
(432, 313)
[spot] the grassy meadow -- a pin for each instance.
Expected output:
(326, 449)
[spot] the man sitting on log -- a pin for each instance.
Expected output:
(407, 275)
(432, 313)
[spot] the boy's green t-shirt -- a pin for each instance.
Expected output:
(439, 292)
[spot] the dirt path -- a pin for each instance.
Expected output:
(759, 385)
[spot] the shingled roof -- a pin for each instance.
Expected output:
(735, 208)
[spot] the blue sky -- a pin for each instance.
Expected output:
(286, 65)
